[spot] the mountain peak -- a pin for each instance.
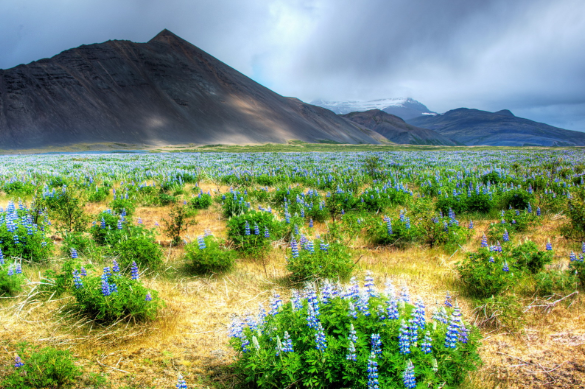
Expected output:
(164, 36)
(505, 112)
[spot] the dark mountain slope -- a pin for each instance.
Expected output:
(474, 127)
(160, 92)
(397, 130)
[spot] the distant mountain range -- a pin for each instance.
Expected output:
(405, 108)
(473, 127)
(397, 130)
(165, 91)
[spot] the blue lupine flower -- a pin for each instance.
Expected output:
(236, 329)
(572, 257)
(538, 211)
(294, 248)
(471, 225)
(15, 237)
(464, 334)
(245, 343)
(73, 253)
(266, 232)
(363, 304)
(297, 303)
(448, 300)
(181, 384)
(83, 272)
(309, 247)
(247, 228)
(311, 223)
(113, 288)
(320, 340)
(583, 247)
(201, 243)
(105, 288)
(389, 226)
(1, 257)
(419, 314)
(77, 279)
(529, 208)
(373, 382)
(426, 345)
(413, 330)
(18, 269)
(404, 338)
(506, 268)
(134, 271)
(275, 304)
(506, 236)
(369, 284)
(351, 355)
(453, 330)
(404, 295)
(148, 297)
(353, 291)
(287, 345)
(376, 344)
(408, 376)
(351, 311)
(10, 271)
(484, 241)
(324, 246)
(119, 224)
(392, 309)
(548, 246)
(115, 267)
(312, 320)
(18, 362)
(256, 229)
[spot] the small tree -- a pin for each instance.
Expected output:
(66, 210)
(178, 222)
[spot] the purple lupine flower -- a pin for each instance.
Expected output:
(392, 309)
(311, 223)
(266, 232)
(201, 243)
(506, 236)
(275, 304)
(320, 339)
(464, 334)
(297, 303)
(373, 382)
(77, 279)
(448, 300)
(376, 344)
(404, 338)
(408, 376)
(369, 284)
(471, 225)
(352, 338)
(18, 269)
(426, 345)
(351, 311)
(115, 266)
(484, 241)
(548, 246)
(256, 229)
(134, 271)
(287, 345)
(572, 257)
(18, 362)
(294, 248)
(419, 314)
(105, 288)
(73, 253)
(506, 268)
(404, 294)
(83, 272)
(453, 330)
(181, 384)
(148, 297)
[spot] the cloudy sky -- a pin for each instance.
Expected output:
(524, 55)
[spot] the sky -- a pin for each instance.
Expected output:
(524, 55)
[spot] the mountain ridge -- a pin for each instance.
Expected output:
(405, 108)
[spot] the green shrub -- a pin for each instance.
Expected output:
(11, 278)
(234, 204)
(105, 228)
(98, 194)
(483, 274)
(21, 237)
(166, 199)
(578, 269)
(177, 223)
(554, 281)
(112, 296)
(42, 368)
(331, 342)
(517, 199)
(19, 188)
(399, 233)
(201, 201)
(527, 257)
(317, 260)
(575, 229)
(123, 206)
(210, 255)
(65, 209)
(445, 232)
(139, 248)
(242, 232)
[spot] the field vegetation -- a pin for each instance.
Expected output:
(257, 268)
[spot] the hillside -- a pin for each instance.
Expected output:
(161, 92)
(405, 108)
(474, 127)
(397, 130)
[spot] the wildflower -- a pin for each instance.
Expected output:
(18, 268)
(255, 342)
(181, 384)
(351, 356)
(419, 314)
(311, 223)
(312, 320)
(320, 339)
(294, 248)
(353, 292)
(453, 330)
(247, 228)
(404, 338)
(113, 288)
(245, 343)
(275, 304)
(352, 312)
(103, 223)
(464, 334)
(506, 236)
(427, 343)
(538, 211)
(73, 253)
(408, 376)
(389, 226)
(369, 284)
(201, 243)
(18, 362)
(287, 345)
(376, 344)
(506, 268)
(471, 225)
(572, 257)
(134, 271)
(448, 302)
(363, 304)
(492, 260)
(297, 303)
(324, 246)
(404, 295)
(119, 224)
(392, 309)
(106, 288)
(484, 241)
(115, 267)
(256, 229)
(373, 382)
(266, 232)
(77, 279)
(83, 272)
(309, 247)
(548, 246)
(148, 297)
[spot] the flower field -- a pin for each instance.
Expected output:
(367, 269)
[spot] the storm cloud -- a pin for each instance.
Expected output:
(524, 55)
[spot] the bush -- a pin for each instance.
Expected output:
(578, 269)
(550, 282)
(141, 249)
(19, 188)
(20, 237)
(446, 232)
(528, 257)
(123, 206)
(209, 255)
(358, 340)
(98, 195)
(44, 368)
(500, 311)
(11, 278)
(312, 260)
(483, 274)
(234, 204)
(202, 201)
(66, 210)
(166, 199)
(113, 296)
(178, 222)
(517, 199)
(247, 238)
(575, 229)
(399, 233)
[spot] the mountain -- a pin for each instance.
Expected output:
(165, 91)
(405, 108)
(397, 130)
(474, 127)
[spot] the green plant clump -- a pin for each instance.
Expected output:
(353, 340)
(201, 201)
(11, 278)
(318, 260)
(209, 255)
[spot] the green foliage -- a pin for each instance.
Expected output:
(43, 368)
(177, 223)
(19, 188)
(373, 165)
(517, 199)
(22, 237)
(125, 206)
(126, 298)
(253, 244)
(555, 281)
(499, 311)
(445, 232)
(479, 203)
(401, 234)
(234, 204)
(264, 361)
(166, 199)
(331, 261)
(577, 268)
(201, 201)
(139, 248)
(65, 209)
(575, 229)
(214, 258)
(483, 276)
(10, 282)
(340, 201)
(98, 194)
(527, 257)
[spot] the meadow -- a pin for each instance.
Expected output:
(269, 267)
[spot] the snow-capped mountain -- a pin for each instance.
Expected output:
(405, 108)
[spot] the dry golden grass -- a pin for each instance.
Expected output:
(190, 335)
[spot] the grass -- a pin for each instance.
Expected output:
(190, 334)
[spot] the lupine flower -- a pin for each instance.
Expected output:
(492, 260)
(453, 330)
(506, 236)
(583, 247)
(106, 288)
(73, 253)
(404, 295)
(464, 334)
(484, 241)
(408, 376)
(148, 297)
(266, 232)
(18, 268)
(312, 320)
(309, 247)
(275, 304)
(373, 382)
(297, 303)
(369, 284)
(353, 291)
(247, 228)
(506, 268)
(419, 314)
(103, 223)
(426, 345)
(311, 223)
(324, 246)
(389, 226)
(279, 348)
(448, 300)
(538, 211)
(548, 246)
(83, 272)
(77, 279)
(113, 288)
(201, 243)
(287, 345)
(320, 339)
(294, 248)
(134, 271)
(1, 257)
(390, 289)
(572, 257)
(245, 343)
(18, 362)
(351, 356)
(352, 312)
(181, 384)
(404, 338)
(363, 304)
(392, 309)
(376, 344)
(256, 229)
(119, 224)
(115, 267)
(471, 225)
